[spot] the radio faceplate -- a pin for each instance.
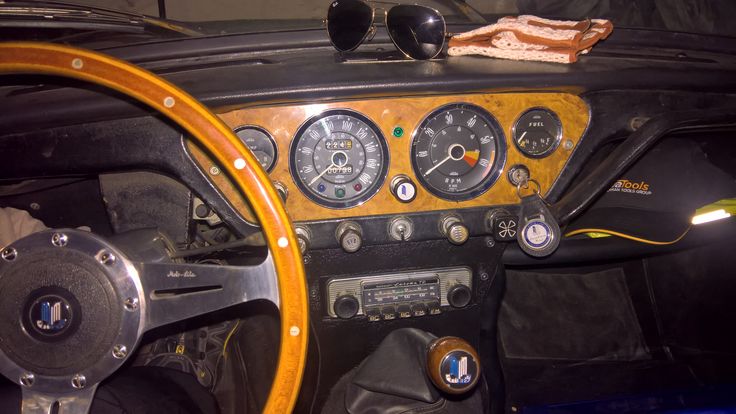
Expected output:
(397, 289)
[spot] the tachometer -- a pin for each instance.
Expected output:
(458, 151)
(339, 158)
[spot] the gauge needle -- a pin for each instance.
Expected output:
(322, 173)
(522, 137)
(429, 171)
(450, 156)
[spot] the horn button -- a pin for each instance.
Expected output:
(66, 306)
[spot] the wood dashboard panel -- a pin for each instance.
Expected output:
(283, 122)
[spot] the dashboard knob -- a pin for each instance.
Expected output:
(282, 190)
(454, 229)
(453, 365)
(303, 237)
(400, 228)
(403, 188)
(458, 296)
(202, 211)
(350, 236)
(346, 306)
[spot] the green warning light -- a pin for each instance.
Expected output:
(398, 131)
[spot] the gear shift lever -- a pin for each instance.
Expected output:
(453, 365)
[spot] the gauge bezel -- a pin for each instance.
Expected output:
(380, 178)
(499, 161)
(270, 138)
(555, 144)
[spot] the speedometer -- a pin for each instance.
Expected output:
(339, 158)
(458, 151)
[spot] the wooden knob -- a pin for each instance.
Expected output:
(453, 365)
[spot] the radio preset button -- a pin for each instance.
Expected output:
(374, 315)
(434, 308)
(419, 309)
(404, 311)
(388, 313)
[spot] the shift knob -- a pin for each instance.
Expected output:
(453, 365)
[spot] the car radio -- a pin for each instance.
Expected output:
(399, 295)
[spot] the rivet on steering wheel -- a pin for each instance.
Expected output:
(59, 239)
(77, 63)
(9, 254)
(120, 351)
(239, 163)
(169, 102)
(79, 381)
(106, 258)
(27, 379)
(131, 304)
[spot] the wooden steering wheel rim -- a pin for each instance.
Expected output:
(233, 156)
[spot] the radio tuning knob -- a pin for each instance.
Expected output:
(346, 306)
(350, 236)
(459, 296)
(453, 228)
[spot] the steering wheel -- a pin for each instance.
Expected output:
(74, 306)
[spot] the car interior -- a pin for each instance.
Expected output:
(367, 207)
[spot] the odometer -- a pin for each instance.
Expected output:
(339, 158)
(458, 151)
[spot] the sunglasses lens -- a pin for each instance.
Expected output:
(418, 31)
(348, 22)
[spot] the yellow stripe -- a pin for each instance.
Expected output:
(628, 236)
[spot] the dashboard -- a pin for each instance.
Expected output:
(402, 155)
(391, 138)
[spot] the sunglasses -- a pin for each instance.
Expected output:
(417, 31)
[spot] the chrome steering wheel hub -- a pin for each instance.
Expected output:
(68, 319)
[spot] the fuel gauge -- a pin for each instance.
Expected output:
(537, 132)
(261, 144)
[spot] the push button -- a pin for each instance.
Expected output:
(434, 308)
(388, 313)
(505, 228)
(404, 311)
(374, 315)
(403, 188)
(418, 309)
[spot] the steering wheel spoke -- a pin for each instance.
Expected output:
(92, 294)
(175, 292)
(77, 402)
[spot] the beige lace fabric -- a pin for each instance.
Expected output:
(532, 38)
(16, 224)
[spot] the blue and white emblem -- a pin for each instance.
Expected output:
(458, 370)
(49, 316)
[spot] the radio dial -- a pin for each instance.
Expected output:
(458, 296)
(346, 306)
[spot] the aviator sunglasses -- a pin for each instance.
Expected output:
(417, 31)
